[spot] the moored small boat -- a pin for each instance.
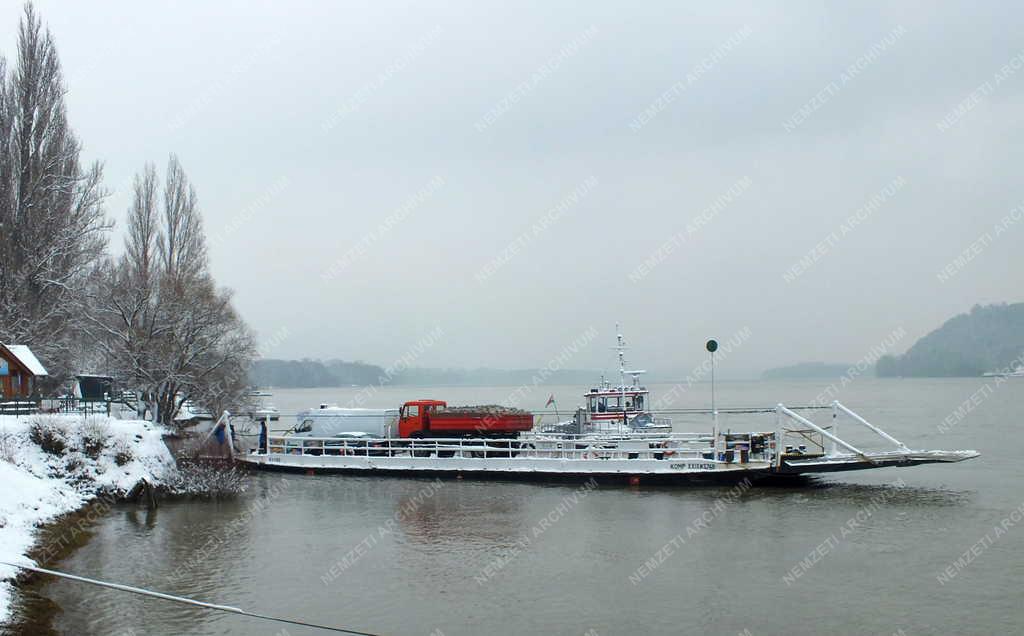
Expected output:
(262, 409)
(1017, 372)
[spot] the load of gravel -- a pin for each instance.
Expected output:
(489, 409)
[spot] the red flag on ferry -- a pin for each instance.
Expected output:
(551, 400)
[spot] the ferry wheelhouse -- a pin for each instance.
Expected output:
(623, 408)
(608, 408)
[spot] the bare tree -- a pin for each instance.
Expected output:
(182, 247)
(143, 225)
(163, 323)
(52, 224)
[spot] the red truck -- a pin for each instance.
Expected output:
(433, 418)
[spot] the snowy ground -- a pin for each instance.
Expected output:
(38, 486)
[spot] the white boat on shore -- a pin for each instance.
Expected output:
(262, 409)
(1018, 372)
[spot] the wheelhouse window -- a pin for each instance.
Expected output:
(605, 404)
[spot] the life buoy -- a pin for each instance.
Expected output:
(665, 450)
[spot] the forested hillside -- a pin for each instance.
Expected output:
(988, 338)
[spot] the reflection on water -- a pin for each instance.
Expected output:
(405, 563)
(825, 491)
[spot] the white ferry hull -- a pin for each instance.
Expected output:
(512, 468)
(544, 468)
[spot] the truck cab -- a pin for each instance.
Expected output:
(414, 417)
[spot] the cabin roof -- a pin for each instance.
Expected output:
(26, 358)
(614, 392)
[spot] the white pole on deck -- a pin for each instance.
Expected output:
(779, 435)
(712, 347)
(835, 426)
(900, 445)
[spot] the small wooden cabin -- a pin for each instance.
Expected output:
(20, 372)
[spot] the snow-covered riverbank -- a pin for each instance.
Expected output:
(52, 465)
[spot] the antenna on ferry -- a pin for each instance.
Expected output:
(622, 372)
(712, 347)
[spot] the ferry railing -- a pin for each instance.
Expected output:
(782, 410)
(837, 408)
(494, 448)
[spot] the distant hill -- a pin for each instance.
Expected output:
(290, 374)
(988, 338)
(307, 373)
(806, 370)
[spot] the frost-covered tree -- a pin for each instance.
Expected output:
(53, 229)
(182, 248)
(166, 328)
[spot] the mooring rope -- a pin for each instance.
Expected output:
(187, 601)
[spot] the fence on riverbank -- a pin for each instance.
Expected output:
(20, 407)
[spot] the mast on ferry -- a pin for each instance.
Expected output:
(621, 349)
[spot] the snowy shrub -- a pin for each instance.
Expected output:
(123, 453)
(8, 446)
(207, 479)
(95, 437)
(74, 464)
(49, 434)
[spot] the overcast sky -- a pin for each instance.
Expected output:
(371, 173)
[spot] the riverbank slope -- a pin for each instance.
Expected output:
(51, 465)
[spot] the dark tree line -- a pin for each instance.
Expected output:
(154, 318)
(314, 373)
(337, 373)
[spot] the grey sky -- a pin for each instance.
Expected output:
(306, 126)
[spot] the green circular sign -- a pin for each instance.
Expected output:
(712, 346)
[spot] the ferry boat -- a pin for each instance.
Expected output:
(794, 446)
(615, 436)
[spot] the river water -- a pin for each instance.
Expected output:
(854, 553)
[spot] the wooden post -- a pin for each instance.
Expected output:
(228, 432)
